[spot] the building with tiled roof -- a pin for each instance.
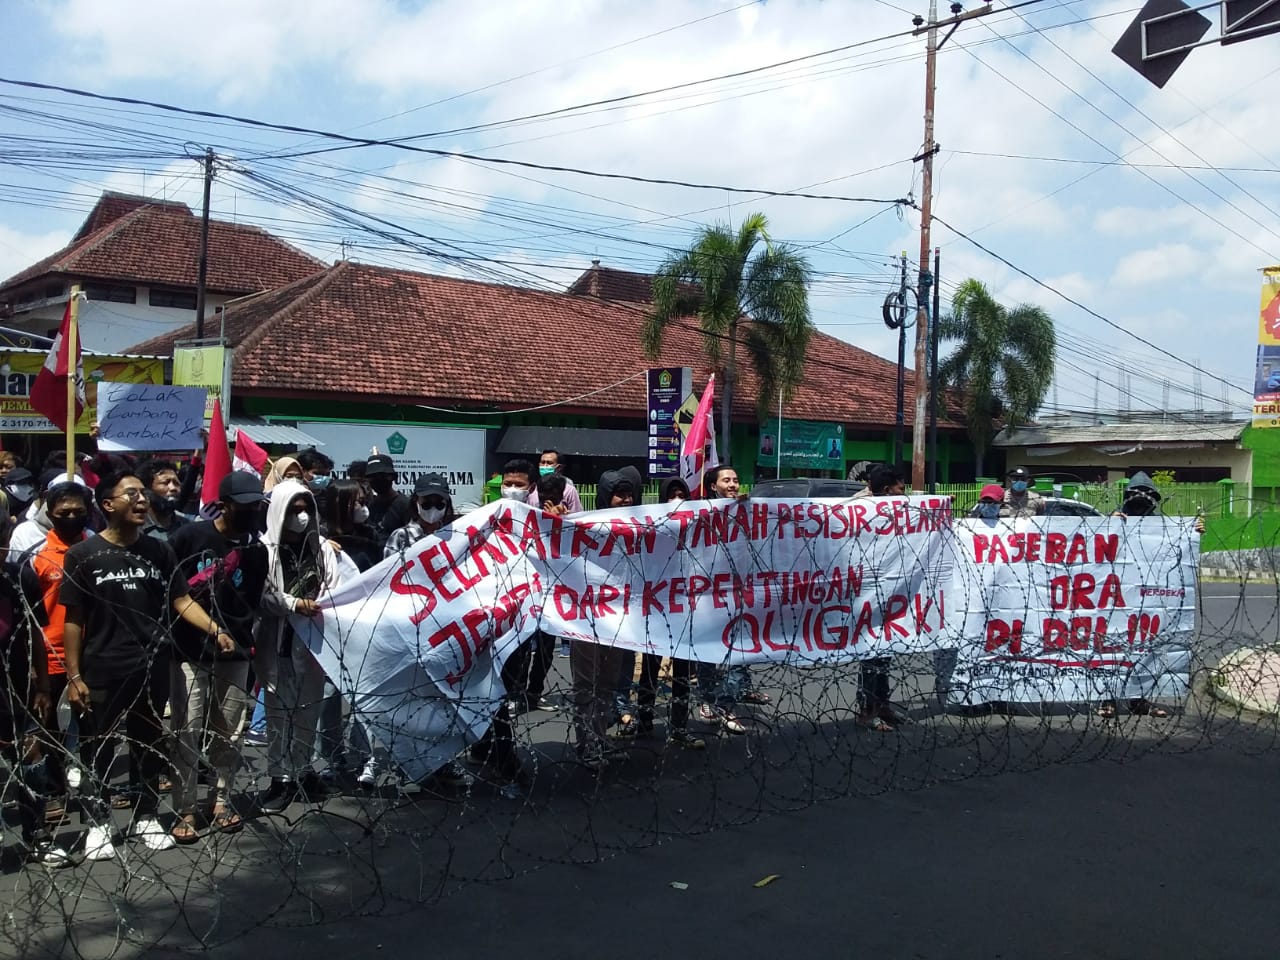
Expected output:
(364, 343)
(136, 260)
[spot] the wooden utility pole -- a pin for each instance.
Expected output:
(930, 147)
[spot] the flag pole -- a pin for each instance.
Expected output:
(72, 370)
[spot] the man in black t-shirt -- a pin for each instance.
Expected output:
(121, 590)
(225, 565)
(389, 510)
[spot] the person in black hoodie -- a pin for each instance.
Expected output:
(596, 666)
(225, 564)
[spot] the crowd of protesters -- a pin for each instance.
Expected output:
(127, 617)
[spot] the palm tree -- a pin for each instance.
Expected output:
(739, 281)
(1003, 362)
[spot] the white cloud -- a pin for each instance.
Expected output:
(1156, 265)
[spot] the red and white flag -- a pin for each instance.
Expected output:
(249, 457)
(217, 463)
(49, 392)
(694, 455)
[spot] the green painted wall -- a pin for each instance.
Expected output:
(1265, 444)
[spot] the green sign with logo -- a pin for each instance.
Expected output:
(396, 444)
(804, 443)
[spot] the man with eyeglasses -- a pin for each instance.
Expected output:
(122, 590)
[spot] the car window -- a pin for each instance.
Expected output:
(1054, 507)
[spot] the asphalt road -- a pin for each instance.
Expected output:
(1167, 857)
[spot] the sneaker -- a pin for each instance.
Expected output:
(451, 775)
(313, 788)
(731, 724)
(546, 706)
(369, 775)
(708, 714)
(42, 850)
(255, 738)
(73, 778)
(683, 738)
(98, 843)
(593, 757)
(152, 835)
(564, 648)
(757, 697)
(279, 795)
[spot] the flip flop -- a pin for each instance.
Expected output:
(185, 830)
(226, 820)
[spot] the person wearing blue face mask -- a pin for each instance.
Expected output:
(317, 470)
(1019, 499)
(990, 505)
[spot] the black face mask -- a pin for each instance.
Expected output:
(245, 521)
(70, 529)
(162, 505)
(1138, 506)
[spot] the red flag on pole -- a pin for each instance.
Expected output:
(693, 455)
(217, 462)
(249, 457)
(49, 392)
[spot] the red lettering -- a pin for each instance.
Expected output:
(400, 587)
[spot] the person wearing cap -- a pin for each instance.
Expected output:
(225, 565)
(1019, 499)
(432, 509)
(991, 504)
(20, 487)
(389, 510)
(1140, 499)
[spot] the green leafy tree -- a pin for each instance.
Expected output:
(1003, 361)
(742, 287)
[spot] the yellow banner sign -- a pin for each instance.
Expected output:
(1266, 378)
(18, 371)
(201, 367)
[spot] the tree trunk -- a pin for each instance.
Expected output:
(979, 460)
(723, 442)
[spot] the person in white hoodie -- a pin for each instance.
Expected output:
(302, 568)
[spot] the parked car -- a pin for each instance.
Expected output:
(805, 488)
(1066, 507)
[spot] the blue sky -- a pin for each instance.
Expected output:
(1154, 208)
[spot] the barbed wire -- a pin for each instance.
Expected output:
(709, 745)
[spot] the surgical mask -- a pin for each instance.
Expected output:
(320, 481)
(297, 522)
(515, 493)
(676, 499)
(70, 529)
(1019, 486)
(988, 511)
(430, 514)
(22, 492)
(360, 514)
(546, 471)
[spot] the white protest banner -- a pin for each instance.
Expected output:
(417, 643)
(144, 416)
(1075, 609)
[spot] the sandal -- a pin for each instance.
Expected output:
(185, 830)
(757, 697)
(1145, 708)
(165, 785)
(226, 820)
(872, 722)
(122, 801)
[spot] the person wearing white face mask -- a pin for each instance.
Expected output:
(432, 509)
(518, 479)
(302, 569)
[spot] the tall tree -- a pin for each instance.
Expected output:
(741, 285)
(1003, 361)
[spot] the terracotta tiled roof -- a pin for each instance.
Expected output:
(382, 335)
(153, 243)
(619, 286)
(111, 206)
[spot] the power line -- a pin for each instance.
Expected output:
(1093, 313)
(453, 154)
